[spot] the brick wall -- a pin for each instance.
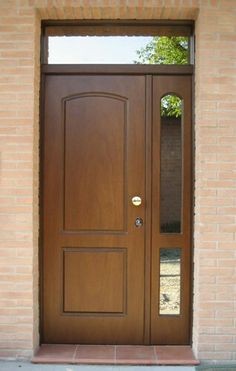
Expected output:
(214, 327)
(19, 76)
(215, 210)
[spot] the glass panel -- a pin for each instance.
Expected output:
(118, 49)
(165, 50)
(170, 273)
(171, 164)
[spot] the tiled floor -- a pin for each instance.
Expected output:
(115, 355)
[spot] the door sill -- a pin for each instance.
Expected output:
(115, 354)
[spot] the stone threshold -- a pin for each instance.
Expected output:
(115, 354)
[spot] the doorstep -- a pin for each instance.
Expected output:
(115, 354)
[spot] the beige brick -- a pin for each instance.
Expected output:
(215, 196)
(215, 356)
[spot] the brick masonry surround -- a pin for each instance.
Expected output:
(214, 308)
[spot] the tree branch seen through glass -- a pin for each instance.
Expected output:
(166, 50)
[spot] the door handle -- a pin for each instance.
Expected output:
(136, 201)
(138, 222)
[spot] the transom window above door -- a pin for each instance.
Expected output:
(116, 43)
(118, 50)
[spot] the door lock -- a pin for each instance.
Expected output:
(138, 222)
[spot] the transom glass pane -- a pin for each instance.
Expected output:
(118, 50)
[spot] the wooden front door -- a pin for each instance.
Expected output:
(101, 253)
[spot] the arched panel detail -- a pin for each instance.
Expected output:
(94, 94)
(95, 175)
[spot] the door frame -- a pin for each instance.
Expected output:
(118, 27)
(148, 71)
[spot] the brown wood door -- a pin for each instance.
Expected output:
(107, 138)
(171, 211)
(93, 255)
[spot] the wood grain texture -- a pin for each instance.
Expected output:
(95, 164)
(117, 69)
(101, 147)
(171, 329)
(95, 281)
(118, 28)
(87, 205)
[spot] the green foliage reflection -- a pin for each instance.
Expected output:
(171, 106)
(166, 50)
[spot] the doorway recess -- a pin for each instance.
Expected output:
(116, 272)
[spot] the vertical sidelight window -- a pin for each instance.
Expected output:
(170, 281)
(171, 164)
(171, 211)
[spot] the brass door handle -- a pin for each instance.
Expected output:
(136, 201)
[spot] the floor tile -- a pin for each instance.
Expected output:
(115, 355)
(135, 354)
(95, 354)
(55, 353)
(175, 355)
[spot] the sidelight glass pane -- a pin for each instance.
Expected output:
(170, 281)
(171, 164)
